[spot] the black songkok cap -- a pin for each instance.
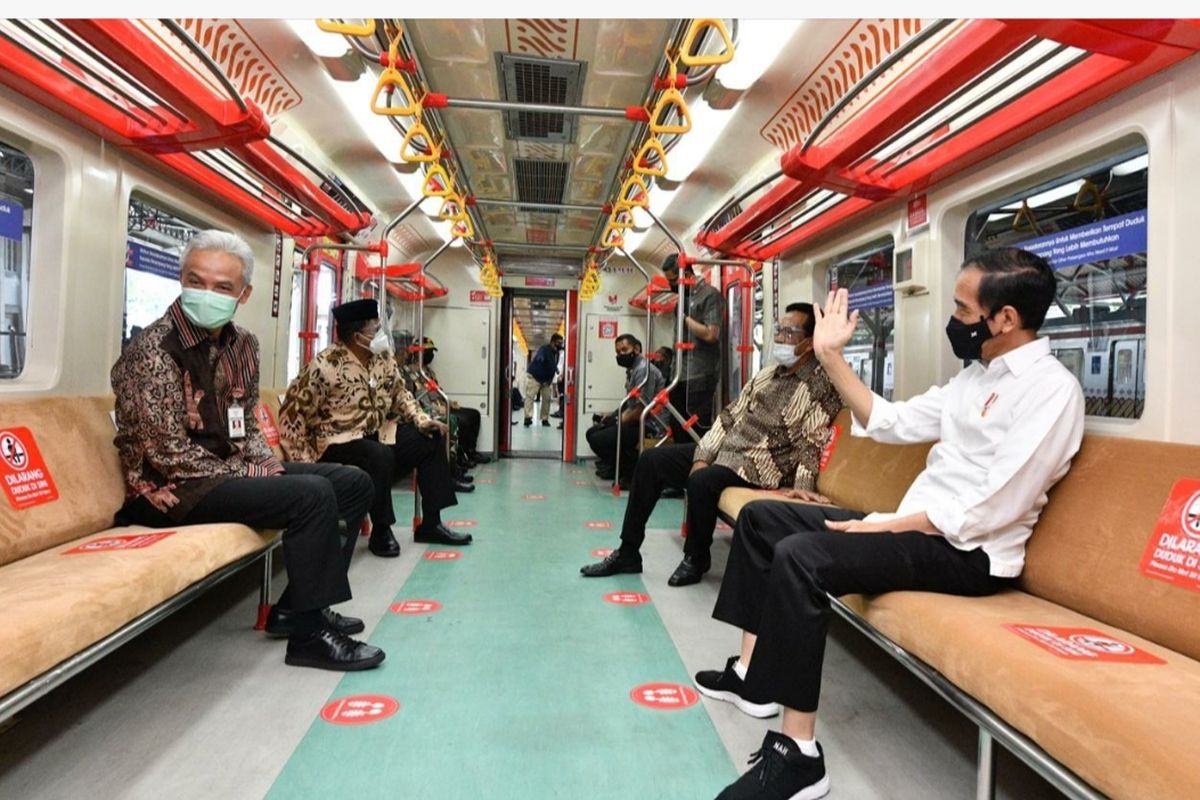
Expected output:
(356, 310)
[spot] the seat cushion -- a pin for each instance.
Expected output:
(56, 603)
(1126, 728)
(865, 475)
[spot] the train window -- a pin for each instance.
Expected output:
(1090, 224)
(307, 315)
(867, 274)
(154, 240)
(16, 224)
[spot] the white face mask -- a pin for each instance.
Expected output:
(784, 354)
(380, 342)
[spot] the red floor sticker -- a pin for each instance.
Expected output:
(360, 709)
(602, 552)
(416, 607)
(583, 483)
(119, 543)
(461, 523)
(533, 497)
(599, 524)
(27, 481)
(482, 481)
(442, 555)
(664, 696)
(626, 598)
(1173, 552)
(1083, 644)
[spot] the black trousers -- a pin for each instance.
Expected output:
(377, 460)
(426, 454)
(306, 503)
(602, 439)
(784, 566)
(694, 396)
(667, 466)
(469, 424)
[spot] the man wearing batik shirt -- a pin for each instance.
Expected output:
(349, 406)
(193, 454)
(769, 438)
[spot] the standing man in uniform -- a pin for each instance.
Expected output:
(696, 393)
(193, 453)
(539, 377)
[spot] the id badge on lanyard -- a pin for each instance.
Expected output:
(237, 417)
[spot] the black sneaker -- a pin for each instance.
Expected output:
(780, 772)
(729, 687)
(328, 649)
(614, 563)
(281, 622)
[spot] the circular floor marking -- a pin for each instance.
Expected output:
(442, 555)
(533, 497)
(483, 481)
(602, 552)
(664, 696)
(417, 607)
(599, 524)
(461, 523)
(359, 709)
(583, 483)
(626, 598)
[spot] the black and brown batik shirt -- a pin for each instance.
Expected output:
(174, 386)
(772, 435)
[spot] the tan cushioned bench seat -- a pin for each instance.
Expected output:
(1127, 729)
(56, 605)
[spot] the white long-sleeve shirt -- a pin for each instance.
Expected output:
(1005, 433)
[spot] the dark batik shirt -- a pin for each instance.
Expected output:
(772, 435)
(174, 385)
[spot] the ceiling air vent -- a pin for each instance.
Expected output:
(540, 80)
(540, 182)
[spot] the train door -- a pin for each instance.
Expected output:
(1127, 378)
(603, 380)
(462, 361)
(529, 319)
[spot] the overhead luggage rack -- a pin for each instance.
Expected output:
(121, 80)
(953, 95)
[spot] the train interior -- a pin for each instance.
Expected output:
(495, 182)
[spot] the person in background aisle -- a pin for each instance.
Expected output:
(696, 392)
(193, 453)
(560, 384)
(1006, 429)
(539, 376)
(349, 406)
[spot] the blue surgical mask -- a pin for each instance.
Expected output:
(208, 309)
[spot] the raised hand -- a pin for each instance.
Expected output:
(834, 326)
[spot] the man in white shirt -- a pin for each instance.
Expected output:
(1006, 428)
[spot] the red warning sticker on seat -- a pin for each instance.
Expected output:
(109, 543)
(835, 431)
(627, 598)
(360, 709)
(27, 482)
(1173, 552)
(1083, 644)
(664, 696)
(411, 608)
(442, 555)
(266, 424)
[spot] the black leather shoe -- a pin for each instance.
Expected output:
(689, 571)
(460, 486)
(383, 543)
(465, 478)
(281, 622)
(672, 493)
(613, 564)
(441, 535)
(328, 649)
(545, 423)
(481, 458)
(528, 421)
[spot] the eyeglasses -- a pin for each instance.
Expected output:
(789, 334)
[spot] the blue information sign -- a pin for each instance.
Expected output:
(12, 217)
(878, 296)
(143, 258)
(1096, 241)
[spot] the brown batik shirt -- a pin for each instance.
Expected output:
(337, 399)
(773, 433)
(174, 386)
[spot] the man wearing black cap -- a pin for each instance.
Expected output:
(702, 364)
(349, 406)
(470, 421)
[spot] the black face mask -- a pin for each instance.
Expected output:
(626, 359)
(427, 357)
(967, 340)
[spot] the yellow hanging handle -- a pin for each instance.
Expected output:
(634, 193)
(670, 98)
(621, 219)
(652, 145)
(697, 27)
(612, 237)
(392, 77)
(437, 175)
(463, 228)
(408, 150)
(364, 28)
(452, 208)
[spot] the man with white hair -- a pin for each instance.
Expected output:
(192, 452)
